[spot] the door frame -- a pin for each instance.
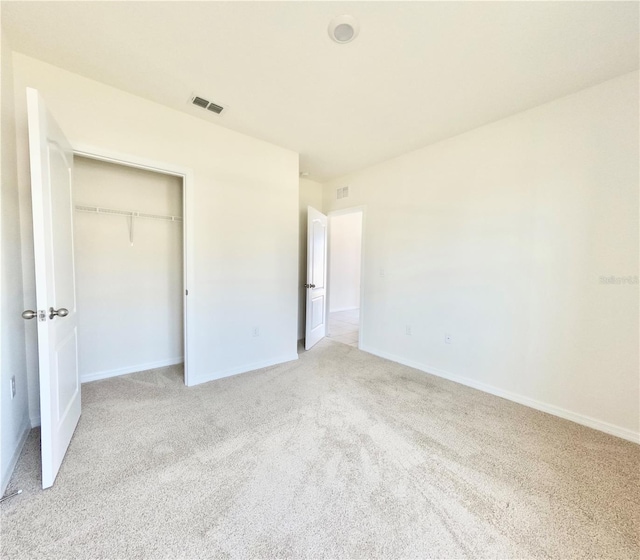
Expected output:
(351, 210)
(187, 176)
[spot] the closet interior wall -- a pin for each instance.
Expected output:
(129, 269)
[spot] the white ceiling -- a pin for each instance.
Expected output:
(419, 72)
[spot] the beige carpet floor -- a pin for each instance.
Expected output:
(337, 455)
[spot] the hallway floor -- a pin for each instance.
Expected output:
(344, 326)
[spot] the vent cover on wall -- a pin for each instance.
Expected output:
(343, 192)
(208, 105)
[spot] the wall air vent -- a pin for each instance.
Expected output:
(206, 104)
(342, 192)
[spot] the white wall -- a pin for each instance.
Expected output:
(129, 296)
(245, 224)
(345, 242)
(15, 412)
(310, 194)
(500, 238)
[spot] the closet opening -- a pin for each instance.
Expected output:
(129, 244)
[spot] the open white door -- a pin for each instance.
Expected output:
(51, 176)
(316, 327)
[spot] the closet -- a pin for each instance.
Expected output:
(128, 237)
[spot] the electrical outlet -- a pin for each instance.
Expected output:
(407, 330)
(448, 339)
(256, 331)
(13, 387)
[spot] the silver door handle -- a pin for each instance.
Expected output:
(62, 312)
(28, 314)
(309, 285)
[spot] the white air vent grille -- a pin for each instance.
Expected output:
(342, 192)
(206, 104)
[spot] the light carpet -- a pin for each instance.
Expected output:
(338, 455)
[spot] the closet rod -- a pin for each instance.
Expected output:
(129, 214)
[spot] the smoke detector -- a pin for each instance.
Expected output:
(206, 104)
(343, 29)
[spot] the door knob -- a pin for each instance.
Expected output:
(309, 285)
(28, 314)
(62, 312)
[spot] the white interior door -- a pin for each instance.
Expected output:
(51, 176)
(316, 327)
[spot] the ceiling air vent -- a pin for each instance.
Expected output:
(206, 104)
(200, 102)
(215, 108)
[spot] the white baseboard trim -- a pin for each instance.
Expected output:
(87, 377)
(343, 309)
(243, 369)
(15, 454)
(35, 421)
(600, 425)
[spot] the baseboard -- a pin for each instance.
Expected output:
(86, 378)
(600, 425)
(35, 421)
(15, 455)
(343, 309)
(242, 369)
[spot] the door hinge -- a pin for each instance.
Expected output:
(42, 315)
(186, 292)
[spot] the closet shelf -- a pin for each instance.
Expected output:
(127, 213)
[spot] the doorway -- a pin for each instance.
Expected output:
(129, 253)
(345, 276)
